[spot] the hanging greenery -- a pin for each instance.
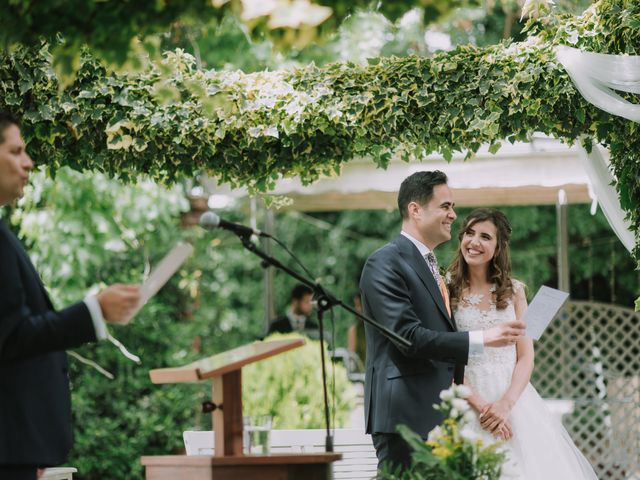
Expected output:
(250, 129)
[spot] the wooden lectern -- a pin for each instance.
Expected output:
(229, 462)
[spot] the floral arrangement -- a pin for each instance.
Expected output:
(453, 450)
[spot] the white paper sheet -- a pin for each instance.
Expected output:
(542, 309)
(162, 273)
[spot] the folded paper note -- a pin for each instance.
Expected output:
(543, 308)
(158, 277)
(162, 273)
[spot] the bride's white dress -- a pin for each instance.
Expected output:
(540, 448)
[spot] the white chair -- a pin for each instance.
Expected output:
(358, 462)
(59, 473)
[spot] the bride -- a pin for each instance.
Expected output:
(483, 294)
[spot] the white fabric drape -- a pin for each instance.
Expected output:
(596, 76)
(601, 178)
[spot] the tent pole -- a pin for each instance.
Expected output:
(266, 244)
(562, 241)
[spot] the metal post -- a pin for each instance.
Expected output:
(562, 241)
(266, 244)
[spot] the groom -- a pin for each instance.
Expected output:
(402, 289)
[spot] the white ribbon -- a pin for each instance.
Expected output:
(596, 76)
(91, 363)
(123, 349)
(601, 180)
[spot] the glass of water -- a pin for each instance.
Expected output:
(256, 434)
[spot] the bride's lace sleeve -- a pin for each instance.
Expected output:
(518, 286)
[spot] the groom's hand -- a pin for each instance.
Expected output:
(505, 334)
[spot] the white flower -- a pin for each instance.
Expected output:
(469, 416)
(463, 391)
(435, 434)
(454, 413)
(447, 394)
(469, 434)
(460, 404)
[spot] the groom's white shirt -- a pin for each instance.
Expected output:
(476, 338)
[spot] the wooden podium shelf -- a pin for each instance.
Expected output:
(267, 467)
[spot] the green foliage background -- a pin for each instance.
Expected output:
(289, 388)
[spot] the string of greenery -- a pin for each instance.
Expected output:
(250, 129)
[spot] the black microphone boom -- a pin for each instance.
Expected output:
(209, 221)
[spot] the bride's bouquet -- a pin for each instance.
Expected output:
(453, 450)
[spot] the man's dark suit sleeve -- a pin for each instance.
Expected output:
(280, 325)
(25, 333)
(387, 294)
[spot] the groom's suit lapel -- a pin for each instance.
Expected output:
(411, 255)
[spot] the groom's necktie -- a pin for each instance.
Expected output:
(433, 266)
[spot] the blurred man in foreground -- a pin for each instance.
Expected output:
(35, 407)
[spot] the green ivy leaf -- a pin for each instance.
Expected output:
(494, 147)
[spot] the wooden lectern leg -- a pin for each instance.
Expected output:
(227, 421)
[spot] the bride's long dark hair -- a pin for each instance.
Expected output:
(499, 271)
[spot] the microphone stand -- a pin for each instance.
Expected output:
(325, 301)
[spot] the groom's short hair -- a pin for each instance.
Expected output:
(418, 188)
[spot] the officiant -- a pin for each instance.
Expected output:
(35, 407)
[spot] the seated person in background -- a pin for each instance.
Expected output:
(297, 317)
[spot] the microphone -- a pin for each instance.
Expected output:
(210, 220)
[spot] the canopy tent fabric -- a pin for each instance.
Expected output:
(520, 174)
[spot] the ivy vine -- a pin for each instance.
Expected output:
(250, 129)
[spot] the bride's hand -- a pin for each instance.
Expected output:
(504, 431)
(494, 415)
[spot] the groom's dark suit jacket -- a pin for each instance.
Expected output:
(401, 386)
(35, 408)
